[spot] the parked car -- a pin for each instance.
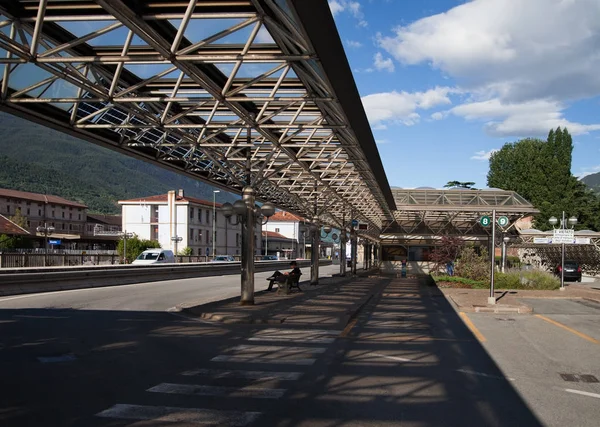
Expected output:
(155, 256)
(572, 270)
(269, 258)
(223, 258)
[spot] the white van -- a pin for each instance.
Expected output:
(155, 256)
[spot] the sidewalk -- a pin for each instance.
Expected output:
(334, 302)
(509, 301)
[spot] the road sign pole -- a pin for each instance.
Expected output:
(562, 257)
(492, 298)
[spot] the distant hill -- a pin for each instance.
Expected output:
(40, 160)
(592, 181)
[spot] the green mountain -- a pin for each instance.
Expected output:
(40, 160)
(592, 181)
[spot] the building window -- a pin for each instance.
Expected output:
(207, 216)
(191, 234)
(8, 208)
(28, 213)
(199, 215)
(70, 226)
(62, 226)
(28, 224)
(191, 213)
(70, 216)
(63, 214)
(39, 212)
(277, 230)
(199, 236)
(70, 208)
(207, 238)
(53, 214)
(237, 239)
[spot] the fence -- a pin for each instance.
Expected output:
(69, 258)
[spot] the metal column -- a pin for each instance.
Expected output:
(248, 224)
(343, 241)
(354, 250)
(314, 256)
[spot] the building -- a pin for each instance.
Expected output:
(165, 217)
(68, 218)
(9, 228)
(277, 244)
(289, 226)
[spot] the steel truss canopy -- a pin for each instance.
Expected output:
(432, 212)
(231, 92)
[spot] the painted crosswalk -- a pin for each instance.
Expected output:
(235, 383)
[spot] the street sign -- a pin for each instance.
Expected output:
(485, 221)
(54, 242)
(502, 221)
(541, 240)
(563, 236)
(354, 223)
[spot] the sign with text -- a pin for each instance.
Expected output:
(502, 221)
(563, 236)
(485, 221)
(541, 240)
(54, 242)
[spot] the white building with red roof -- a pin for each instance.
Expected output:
(286, 225)
(167, 216)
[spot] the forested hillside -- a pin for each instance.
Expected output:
(37, 159)
(592, 181)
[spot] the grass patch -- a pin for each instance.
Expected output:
(523, 280)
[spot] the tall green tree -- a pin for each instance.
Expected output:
(459, 184)
(135, 246)
(540, 171)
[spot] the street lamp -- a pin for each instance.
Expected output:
(505, 240)
(214, 222)
(47, 230)
(176, 239)
(563, 226)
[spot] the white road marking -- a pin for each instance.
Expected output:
(481, 374)
(276, 348)
(266, 360)
(251, 375)
(180, 415)
(295, 335)
(397, 359)
(208, 390)
(584, 393)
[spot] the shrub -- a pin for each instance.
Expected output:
(532, 280)
(135, 246)
(187, 251)
(477, 284)
(470, 265)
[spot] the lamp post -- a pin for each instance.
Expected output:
(505, 240)
(214, 222)
(246, 214)
(563, 226)
(47, 230)
(176, 239)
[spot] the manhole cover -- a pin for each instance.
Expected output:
(588, 378)
(569, 377)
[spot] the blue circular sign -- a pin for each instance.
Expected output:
(355, 223)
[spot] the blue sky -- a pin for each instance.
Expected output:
(446, 82)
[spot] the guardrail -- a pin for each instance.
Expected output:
(32, 280)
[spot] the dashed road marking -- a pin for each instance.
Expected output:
(249, 375)
(180, 415)
(208, 390)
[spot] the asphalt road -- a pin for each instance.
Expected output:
(114, 357)
(551, 357)
(150, 296)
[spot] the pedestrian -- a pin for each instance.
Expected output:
(280, 277)
(450, 268)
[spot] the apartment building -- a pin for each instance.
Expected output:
(169, 217)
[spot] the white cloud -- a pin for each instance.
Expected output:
(264, 36)
(533, 118)
(511, 56)
(352, 7)
(438, 115)
(354, 44)
(383, 64)
(400, 107)
(587, 171)
(483, 155)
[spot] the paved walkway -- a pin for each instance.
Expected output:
(508, 301)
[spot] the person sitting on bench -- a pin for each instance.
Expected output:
(280, 277)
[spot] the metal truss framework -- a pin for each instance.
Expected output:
(588, 255)
(431, 212)
(229, 92)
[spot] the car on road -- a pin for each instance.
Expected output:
(269, 258)
(155, 256)
(572, 270)
(223, 258)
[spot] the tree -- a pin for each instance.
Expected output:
(187, 251)
(19, 219)
(540, 171)
(135, 246)
(16, 242)
(448, 250)
(459, 184)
